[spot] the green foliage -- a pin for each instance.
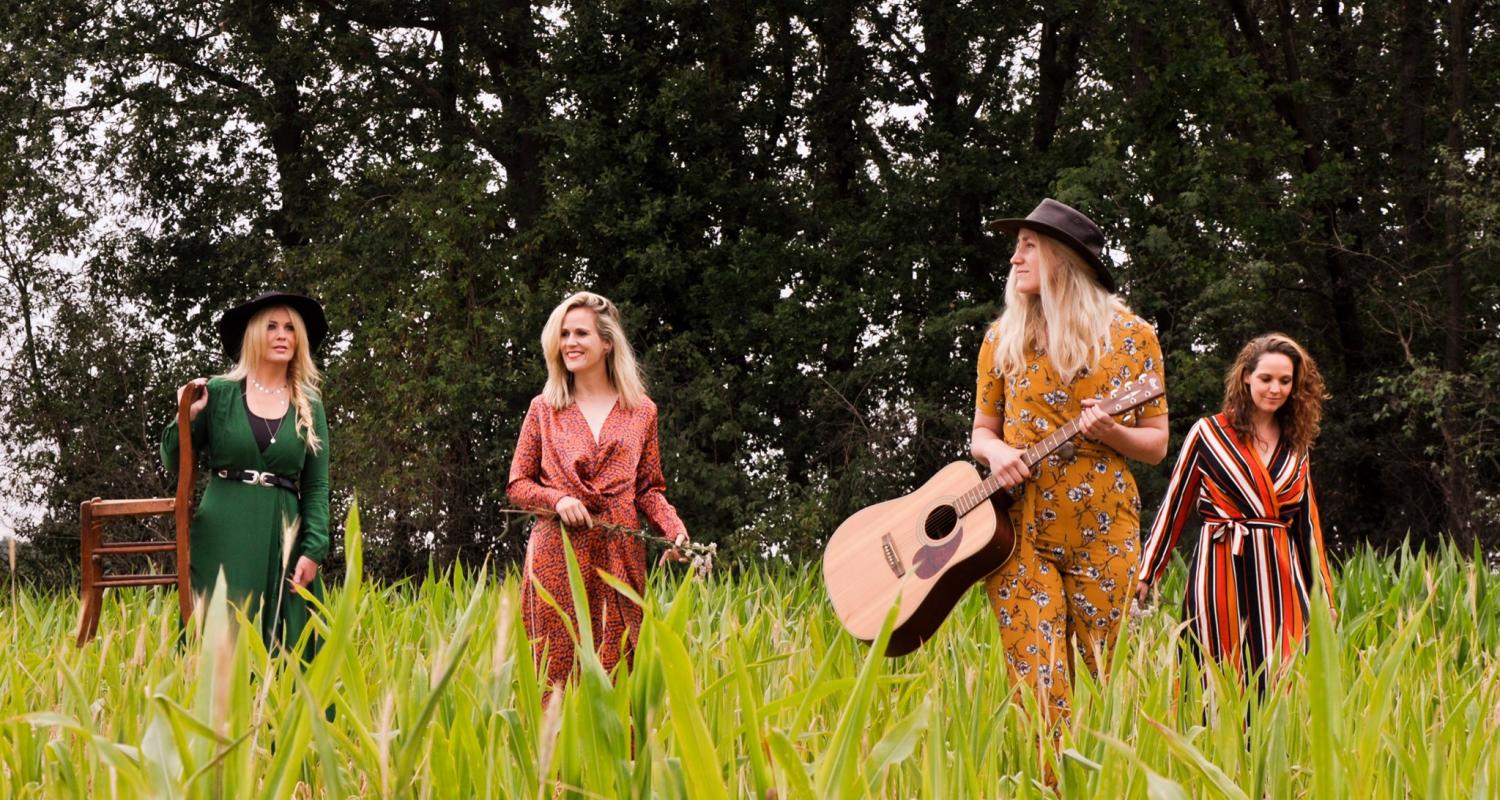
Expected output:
(740, 686)
(787, 200)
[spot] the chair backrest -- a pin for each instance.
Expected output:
(92, 514)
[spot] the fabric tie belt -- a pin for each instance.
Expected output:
(1239, 529)
(255, 478)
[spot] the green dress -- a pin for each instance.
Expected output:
(238, 527)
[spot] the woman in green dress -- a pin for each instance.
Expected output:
(261, 431)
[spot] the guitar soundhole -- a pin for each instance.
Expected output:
(940, 521)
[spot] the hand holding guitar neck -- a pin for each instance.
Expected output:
(1006, 462)
(1095, 422)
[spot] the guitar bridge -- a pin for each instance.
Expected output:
(892, 558)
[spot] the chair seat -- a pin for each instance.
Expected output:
(151, 506)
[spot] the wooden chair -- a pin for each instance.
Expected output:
(94, 512)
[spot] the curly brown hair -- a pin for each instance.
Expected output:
(1302, 413)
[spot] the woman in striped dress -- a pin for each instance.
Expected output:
(1245, 471)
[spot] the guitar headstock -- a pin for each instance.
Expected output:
(1133, 395)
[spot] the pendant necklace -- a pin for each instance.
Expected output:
(269, 430)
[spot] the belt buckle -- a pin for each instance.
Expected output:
(257, 478)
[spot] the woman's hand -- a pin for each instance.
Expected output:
(674, 554)
(1005, 461)
(1094, 423)
(200, 385)
(306, 570)
(573, 513)
(1142, 593)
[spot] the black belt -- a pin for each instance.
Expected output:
(254, 478)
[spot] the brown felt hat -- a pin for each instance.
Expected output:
(1067, 225)
(232, 325)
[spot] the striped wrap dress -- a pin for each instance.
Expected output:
(1251, 577)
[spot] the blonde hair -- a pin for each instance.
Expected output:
(619, 363)
(1301, 416)
(302, 376)
(1069, 318)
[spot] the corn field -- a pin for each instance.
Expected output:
(743, 685)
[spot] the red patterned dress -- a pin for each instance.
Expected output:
(618, 478)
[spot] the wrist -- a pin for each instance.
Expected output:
(1115, 437)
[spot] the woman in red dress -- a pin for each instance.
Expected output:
(588, 451)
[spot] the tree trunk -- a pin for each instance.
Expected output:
(1456, 478)
(1408, 140)
(1057, 66)
(514, 65)
(284, 124)
(837, 103)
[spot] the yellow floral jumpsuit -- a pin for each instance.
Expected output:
(1077, 518)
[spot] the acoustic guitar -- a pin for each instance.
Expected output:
(924, 550)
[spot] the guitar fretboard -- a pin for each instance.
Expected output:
(1129, 397)
(1032, 456)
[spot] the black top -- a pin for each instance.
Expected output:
(264, 429)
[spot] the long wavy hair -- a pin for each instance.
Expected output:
(619, 363)
(302, 376)
(1300, 416)
(1069, 318)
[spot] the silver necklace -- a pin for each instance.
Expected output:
(271, 430)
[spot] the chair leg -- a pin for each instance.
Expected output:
(85, 609)
(185, 596)
(88, 624)
(89, 536)
(184, 573)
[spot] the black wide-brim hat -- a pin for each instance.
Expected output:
(232, 324)
(1069, 226)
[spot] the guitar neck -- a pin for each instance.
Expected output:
(1127, 398)
(1032, 456)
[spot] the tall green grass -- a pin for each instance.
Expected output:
(743, 685)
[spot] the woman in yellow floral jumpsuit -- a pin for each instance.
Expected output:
(1063, 343)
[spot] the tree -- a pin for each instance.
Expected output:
(787, 199)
